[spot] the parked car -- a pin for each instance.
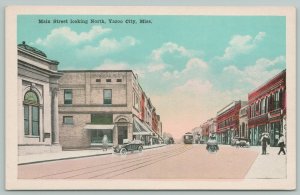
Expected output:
(240, 142)
(135, 145)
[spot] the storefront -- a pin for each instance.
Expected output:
(97, 132)
(141, 131)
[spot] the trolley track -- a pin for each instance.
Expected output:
(111, 165)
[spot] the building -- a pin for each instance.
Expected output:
(106, 102)
(205, 131)
(267, 109)
(208, 128)
(38, 130)
(243, 123)
(228, 122)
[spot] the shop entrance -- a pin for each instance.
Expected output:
(122, 134)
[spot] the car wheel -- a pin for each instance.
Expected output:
(140, 148)
(123, 151)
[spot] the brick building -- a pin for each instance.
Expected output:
(228, 122)
(267, 109)
(97, 103)
(243, 122)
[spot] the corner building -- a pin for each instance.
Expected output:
(97, 103)
(267, 110)
(38, 130)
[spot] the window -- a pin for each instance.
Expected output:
(31, 114)
(276, 100)
(119, 80)
(108, 80)
(263, 106)
(98, 80)
(68, 96)
(68, 120)
(107, 96)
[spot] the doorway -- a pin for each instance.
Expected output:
(122, 134)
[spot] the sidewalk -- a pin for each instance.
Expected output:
(268, 166)
(69, 154)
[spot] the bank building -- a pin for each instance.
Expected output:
(38, 130)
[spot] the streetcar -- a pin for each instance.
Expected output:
(188, 138)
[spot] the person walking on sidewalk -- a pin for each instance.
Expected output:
(105, 142)
(264, 141)
(281, 144)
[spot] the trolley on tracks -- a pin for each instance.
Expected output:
(188, 138)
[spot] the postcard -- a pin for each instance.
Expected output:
(150, 98)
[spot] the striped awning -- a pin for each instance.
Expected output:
(139, 128)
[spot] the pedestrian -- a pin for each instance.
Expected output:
(264, 140)
(281, 144)
(105, 143)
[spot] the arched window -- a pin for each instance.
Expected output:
(31, 114)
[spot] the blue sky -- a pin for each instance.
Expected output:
(190, 66)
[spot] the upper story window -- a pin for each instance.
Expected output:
(68, 120)
(98, 80)
(119, 80)
(31, 114)
(68, 96)
(107, 96)
(276, 100)
(108, 80)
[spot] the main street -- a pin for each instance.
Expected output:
(170, 162)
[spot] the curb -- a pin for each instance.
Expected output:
(75, 157)
(67, 158)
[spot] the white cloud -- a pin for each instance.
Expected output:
(193, 65)
(157, 62)
(258, 73)
(240, 44)
(111, 65)
(107, 45)
(156, 67)
(66, 34)
(170, 47)
(195, 86)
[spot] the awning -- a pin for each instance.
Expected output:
(139, 128)
(98, 127)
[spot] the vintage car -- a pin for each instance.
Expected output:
(132, 146)
(240, 142)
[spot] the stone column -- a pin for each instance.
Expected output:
(54, 115)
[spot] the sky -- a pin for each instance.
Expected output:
(189, 66)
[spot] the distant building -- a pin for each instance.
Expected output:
(228, 122)
(243, 122)
(38, 130)
(267, 109)
(205, 131)
(104, 102)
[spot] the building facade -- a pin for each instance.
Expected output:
(243, 123)
(228, 122)
(267, 110)
(93, 104)
(38, 130)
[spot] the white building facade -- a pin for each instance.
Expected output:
(38, 130)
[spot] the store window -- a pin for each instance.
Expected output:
(31, 114)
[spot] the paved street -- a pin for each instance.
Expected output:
(169, 162)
